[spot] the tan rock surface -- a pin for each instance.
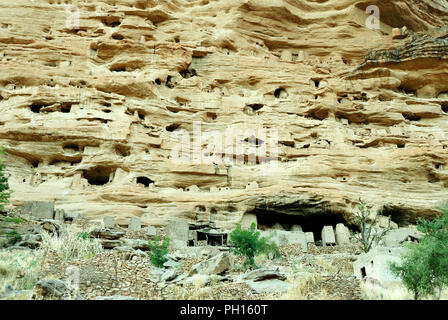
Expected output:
(98, 105)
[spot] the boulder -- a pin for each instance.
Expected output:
(53, 288)
(215, 265)
(137, 244)
(51, 226)
(111, 244)
(263, 274)
(106, 234)
(269, 286)
(31, 241)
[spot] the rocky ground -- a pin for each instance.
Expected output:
(322, 273)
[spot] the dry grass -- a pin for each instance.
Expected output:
(21, 269)
(196, 291)
(70, 245)
(303, 288)
(326, 265)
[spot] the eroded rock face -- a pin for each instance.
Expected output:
(90, 107)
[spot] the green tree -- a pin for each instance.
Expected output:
(4, 186)
(424, 269)
(370, 234)
(158, 251)
(413, 270)
(249, 244)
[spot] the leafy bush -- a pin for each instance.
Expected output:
(249, 244)
(83, 235)
(158, 251)
(13, 237)
(424, 269)
(4, 186)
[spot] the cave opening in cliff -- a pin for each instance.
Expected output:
(98, 176)
(187, 73)
(399, 215)
(411, 116)
(66, 107)
(172, 127)
(280, 93)
(445, 107)
(145, 181)
(268, 220)
(36, 107)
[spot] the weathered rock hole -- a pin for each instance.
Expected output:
(255, 106)
(280, 93)
(200, 208)
(35, 107)
(445, 107)
(342, 97)
(71, 148)
(122, 150)
(186, 74)
(66, 107)
(168, 82)
(212, 115)
(158, 81)
(145, 181)
(99, 175)
(411, 116)
(172, 127)
(117, 36)
(141, 115)
(111, 21)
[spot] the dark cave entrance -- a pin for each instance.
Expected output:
(145, 181)
(98, 176)
(310, 223)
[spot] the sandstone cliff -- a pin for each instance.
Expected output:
(89, 109)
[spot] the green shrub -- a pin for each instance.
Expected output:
(249, 244)
(15, 219)
(158, 251)
(424, 269)
(13, 237)
(83, 235)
